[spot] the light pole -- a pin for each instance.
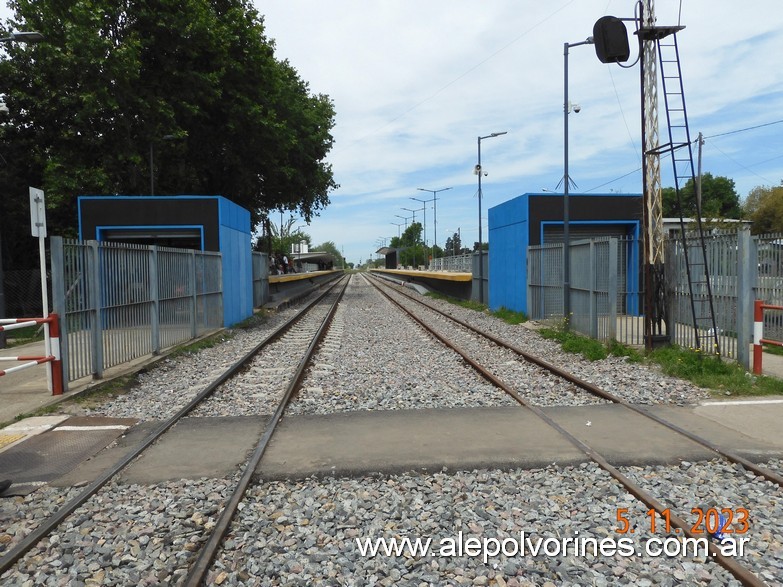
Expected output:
(405, 219)
(20, 37)
(435, 208)
(397, 224)
(566, 182)
(412, 223)
(424, 207)
(478, 172)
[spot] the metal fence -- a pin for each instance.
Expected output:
(260, 279)
(458, 263)
(606, 292)
(118, 302)
(22, 289)
(742, 268)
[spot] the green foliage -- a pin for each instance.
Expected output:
(281, 238)
(570, 342)
(195, 81)
(454, 246)
(712, 373)
(510, 316)
(620, 350)
(719, 199)
(469, 304)
(589, 348)
(410, 245)
(20, 336)
(330, 247)
(764, 206)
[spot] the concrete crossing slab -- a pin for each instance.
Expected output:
(388, 442)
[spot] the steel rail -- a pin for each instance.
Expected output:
(199, 570)
(595, 390)
(744, 575)
(20, 549)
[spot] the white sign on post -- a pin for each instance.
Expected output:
(38, 228)
(37, 213)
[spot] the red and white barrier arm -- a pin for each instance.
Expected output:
(54, 361)
(33, 361)
(11, 324)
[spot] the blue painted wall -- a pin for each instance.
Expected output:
(235, 244)
(232, 225)
(510, 233)
(508, 242)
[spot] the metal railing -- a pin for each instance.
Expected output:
(606, 291)
(260, 279)
(458, 263)
(119, 302)
(742, 268)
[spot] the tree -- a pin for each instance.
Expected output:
(114, 81)
(719, 199)
(412, 250)
(282, 237)
(454, 246)
(330, 247)
(764, 206)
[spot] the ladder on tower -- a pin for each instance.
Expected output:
(679, 146)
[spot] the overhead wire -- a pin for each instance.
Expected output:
(716, 147)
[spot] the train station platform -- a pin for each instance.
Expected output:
(450, 283)
(288, 288)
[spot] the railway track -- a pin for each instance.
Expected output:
(311, 525)
(298, 338)
(663, 510)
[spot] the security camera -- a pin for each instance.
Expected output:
(486, 174)
(577, 108)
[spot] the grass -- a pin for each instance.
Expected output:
(772, 349)
(706, 371)
(469, 304)
(20, 336)
(508, 316)
(590, 349)
(712, 373)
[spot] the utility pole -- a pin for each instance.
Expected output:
(651, 178)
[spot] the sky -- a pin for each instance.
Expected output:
(415, 83)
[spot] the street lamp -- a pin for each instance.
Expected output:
(19, 37)
(405, 219)
(424, 207)
(434, 207)
(412, 223)
(566, 182)
(23, 37)
(477, 171)
(397, 224)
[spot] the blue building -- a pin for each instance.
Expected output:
(537, 218)
(206, 223)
